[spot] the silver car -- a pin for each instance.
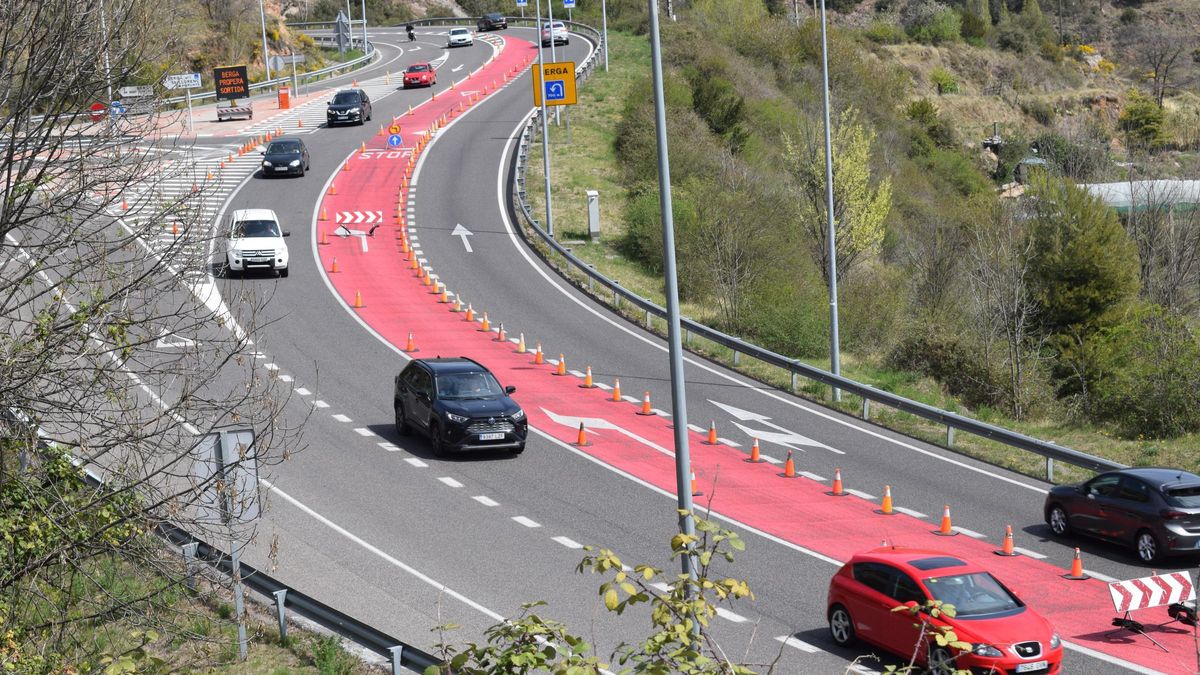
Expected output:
(460, 37)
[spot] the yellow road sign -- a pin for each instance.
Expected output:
(560, 83)
(395, 129)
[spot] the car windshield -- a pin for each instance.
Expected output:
(282, 147)
(974, 594)
(494, 16)
(1187, 496)
(459, 31)
(468, 385)
(345, 98)
(256, 228)
(419, 68)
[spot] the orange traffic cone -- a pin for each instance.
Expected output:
(561, 369)
(174, 229)
(1008, 549)
(485, 325)
(346, 165)
(324, 238)
(299, 124)
(712, 433)
(1076, 569)
(886, 507)
(755, 454)
(789, 467)
(582, 440)
(436, 288)
(358, 303)
(946, 530)
(587, 380)
(332, 189)
(124, 204)
(837, 490)
(324, 214)
(457, 304)
(470, 313)
(500, 336)
(646, 405)
(412, 345)
(363, 148)
(616, 391)
(695, 492)
(208, 176)
(333, 268)
(538, 357)
(444, 298)
(521, 344)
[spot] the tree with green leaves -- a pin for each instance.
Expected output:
(860, 201)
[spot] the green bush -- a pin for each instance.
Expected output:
(1143, 120)
(931, 22)
(956, 170)
(958, 367)
(944, 81)
(885, 33)
(1040, 110)
(974, 26)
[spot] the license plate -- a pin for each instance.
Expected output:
(1030, 667)
(281, 168)
(491, 437)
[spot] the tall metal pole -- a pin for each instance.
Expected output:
(262, 13)
(604, 25)
(545, 121)
(830, 233)
(364, 13)
(350, 25)
(553, 56)
(104, 37)
(683, 461)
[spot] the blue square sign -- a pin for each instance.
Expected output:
(568, 4)
(555, 90)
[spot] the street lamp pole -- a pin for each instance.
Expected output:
(364, 13)
(262, 14)
(545, 121)
(604, 26)
(683, 461)
(830, 232)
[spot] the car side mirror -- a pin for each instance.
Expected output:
(510, 389)
(263, 152)
(287, 233)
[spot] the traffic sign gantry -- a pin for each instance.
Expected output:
(559, 85)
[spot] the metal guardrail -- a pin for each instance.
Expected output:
(952, 421)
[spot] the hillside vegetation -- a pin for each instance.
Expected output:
(1029, 304)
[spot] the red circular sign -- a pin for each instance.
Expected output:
(98, 111)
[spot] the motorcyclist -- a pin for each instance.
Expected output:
(412, 36)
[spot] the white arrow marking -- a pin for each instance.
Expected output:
(179, 341)
(341, 230)
(786, 440)
(791, 436)
(358, 217)
(414, 49)
(455, 70)
(460, 231)
(594, 423)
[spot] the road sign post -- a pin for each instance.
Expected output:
(187, 82)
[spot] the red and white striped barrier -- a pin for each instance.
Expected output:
(1152, 591)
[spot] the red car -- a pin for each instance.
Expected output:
(1007, 636)
(420, 75)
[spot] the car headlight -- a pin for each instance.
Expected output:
(294, 162)
(456, 418)
(353, 111)
(266, 164)
(1055, 641)
(519, 415)
(984, 649)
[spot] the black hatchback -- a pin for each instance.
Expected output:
(348, 105)
(459, 404)
(285, 157)
(492, 21)
(1152, 510)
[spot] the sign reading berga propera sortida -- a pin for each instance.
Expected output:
(231, 82)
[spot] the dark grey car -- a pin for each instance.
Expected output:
(348, 105)
(1155, 511)
(284, 157)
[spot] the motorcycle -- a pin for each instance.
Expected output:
(412, 36)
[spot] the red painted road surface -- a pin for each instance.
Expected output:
(396, 302)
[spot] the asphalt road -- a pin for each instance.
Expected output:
(375, 525)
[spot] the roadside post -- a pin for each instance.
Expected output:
(187, 82)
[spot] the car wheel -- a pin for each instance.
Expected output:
(1059, 524)
(519, 449)
(402, 426)
(283, 273)
(436, 440)
(1148, 550)
(941, 661)
(841, 626)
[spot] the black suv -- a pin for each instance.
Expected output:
(492, 21)
(460, 405)
(348, 105)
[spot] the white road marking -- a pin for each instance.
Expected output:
(270, 366)
(1102, 577)
(1110, 659)
(285, 378)
(416, 462)
(1031, 554)
(363, 431)
(390, 447)
(730, 616)
(302, 391)
(568, 542)
(914, 513)
(450, 481)
(486, 501)
(601, 385)
(726, 441)
(969, 533)
(320, 404)
(526, 522)
(811, 476)
(861, 495)
(769, 459)
(798, 644)
(341, 418)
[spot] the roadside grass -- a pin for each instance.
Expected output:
(584, 159)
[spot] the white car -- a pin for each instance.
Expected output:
(460, 37)
(254, 240)
(558, 29)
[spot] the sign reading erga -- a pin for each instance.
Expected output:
(231, 82)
